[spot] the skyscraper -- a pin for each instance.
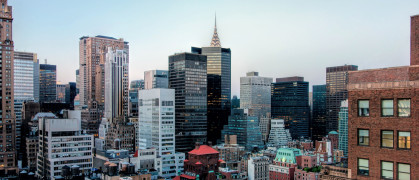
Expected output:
(47, 83)
(343, 127)
(157, 128)
(318, 125)
(116, 84)
(336, 92)
(290, 102)
(36, 81)
(255, 94)
(7, 115)
(23, 83)
(188, 76)
(218, 85)
(278, 136)
(156, 79)
(92, 56)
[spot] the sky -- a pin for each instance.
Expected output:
(274, 37)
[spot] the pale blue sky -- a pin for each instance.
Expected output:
(276, 38)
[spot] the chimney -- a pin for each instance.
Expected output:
(414, 40)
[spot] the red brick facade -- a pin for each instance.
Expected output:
(414, 40)
(376, 85)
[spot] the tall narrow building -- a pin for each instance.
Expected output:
(336, 92)
(157, 128)
(47, 83)
(135, 86)
(23, 88)
(290, 102)
(318, 123)
(116, 84)
(7, 114)
(188, 76)
(219, 85)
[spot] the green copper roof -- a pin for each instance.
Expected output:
(333, 132)
(287, 155)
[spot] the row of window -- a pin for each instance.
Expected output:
(387, 170)
(387, 108)
(387, 138)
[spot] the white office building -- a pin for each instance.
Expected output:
(157, 128)
(61, 143)
(278, 136)
(116, 84)
(255, 94)
(258, 168)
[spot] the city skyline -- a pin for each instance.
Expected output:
(293, 39)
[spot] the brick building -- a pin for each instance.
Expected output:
(383, 118)
(202, 163)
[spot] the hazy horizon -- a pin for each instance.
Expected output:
(275, 38)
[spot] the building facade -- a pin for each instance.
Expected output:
(258, 168)
(290, 102)
(70, 93)
(284, 164)
(92, 58)
(60, 93)
(47, 83)
(246, 128)
(318, 125)
(116, 83)
(156, 79)
(343, 127)
(218, 85)
(7, 115)
(202, 163)
(255, 94)
(336, 92)
(157, 127)
(188, 76)
(278, 136)
(135, 86)
(62, 143)
(377, 99)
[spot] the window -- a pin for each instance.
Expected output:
(386, 170)
(363, 137)
(404, 140)
(387, 107)
(403, 107)
(403, 171)
(363, 167)
(387, 139)
(363, 107)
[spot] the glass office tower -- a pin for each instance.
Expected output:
(290, 102)
(188, 76)
(219, 85)
(318, 125)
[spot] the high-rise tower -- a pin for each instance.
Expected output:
(336, 92)
(187, 75)
(219, 85)
(7, 114)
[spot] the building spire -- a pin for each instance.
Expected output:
(215, 42)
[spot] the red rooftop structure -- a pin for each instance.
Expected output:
(202, 163)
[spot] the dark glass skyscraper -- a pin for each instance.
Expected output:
(318, 126)
(219, 85)
(336, 92)
(290, 102)
(70, 93)
(188, 76)
(47, 83)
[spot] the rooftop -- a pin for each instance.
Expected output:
(203, 149)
